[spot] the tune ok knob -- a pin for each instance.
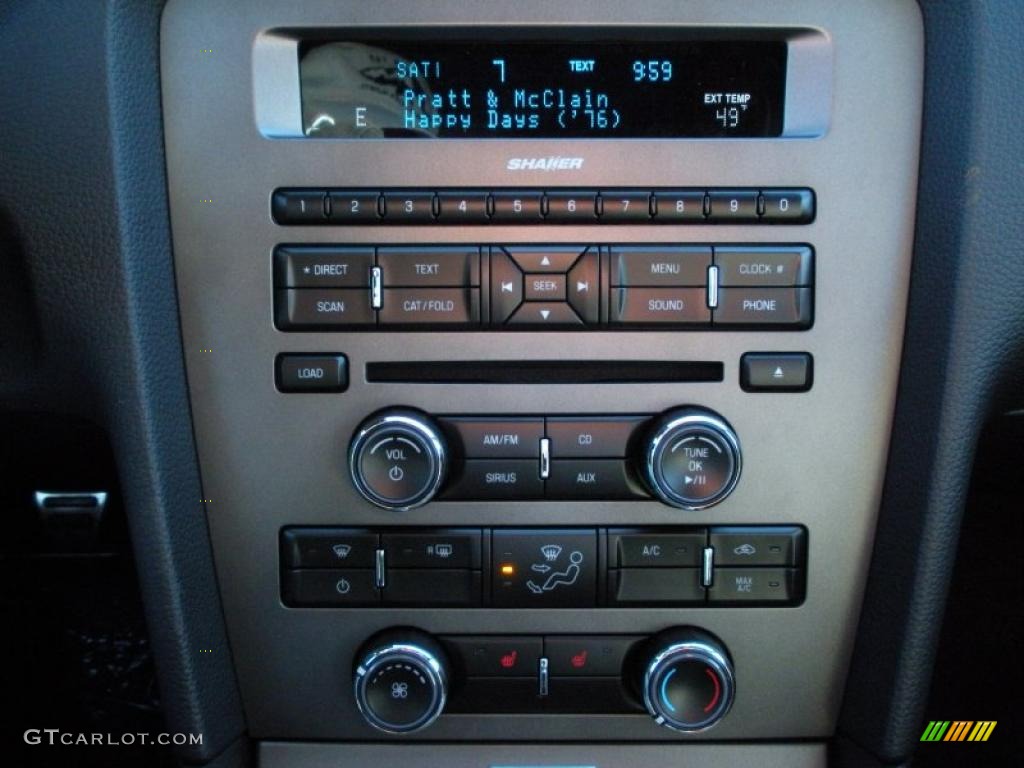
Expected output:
(398, 459)
(688, 683)
(401, 681)
(692, 458)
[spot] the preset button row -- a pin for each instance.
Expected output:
(340, 207)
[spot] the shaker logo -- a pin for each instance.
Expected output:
(544, 164)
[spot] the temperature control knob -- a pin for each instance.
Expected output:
(398, 459)
(401, 681)
(688, 682)
(692, 458)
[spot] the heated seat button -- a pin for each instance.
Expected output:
(408, 207)
(728, 206)
(462, 208)
(312, 373)
(764, 265)
(765, 307)
(329, 588)
(353, 207)
(423, 266)
(297, 266)
(787, 206)
(588, 655)
(437, 549)
(299, 206)
(517, 207)
(497, 480)
(544, 568)
(731, 586)
(313, 308)
(746, 545)
(776, 371)
(659, 306)
(327, 548)
(510, 438)
(494, 655)
(679, 207)
(655, 586)
(553, 259)
(625, 207)
(659, 266)
(435, 588)
(571, 207)
(595, 438)
(591, 479)
(430, 306)
(656, 550)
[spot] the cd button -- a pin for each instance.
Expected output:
(591, 438)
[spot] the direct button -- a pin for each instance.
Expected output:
(312, 373)
(764, 266)
(315, 267)
(415, 267)
(497, 438)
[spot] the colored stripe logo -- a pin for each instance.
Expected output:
(958, 730)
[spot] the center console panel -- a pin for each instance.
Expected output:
(530, 419)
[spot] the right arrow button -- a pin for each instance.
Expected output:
(584, 290)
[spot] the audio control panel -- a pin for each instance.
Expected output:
(614, 389)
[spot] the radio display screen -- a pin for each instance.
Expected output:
(542, 90)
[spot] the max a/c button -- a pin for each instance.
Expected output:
(312, 373)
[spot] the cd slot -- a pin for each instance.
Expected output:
(544, 372)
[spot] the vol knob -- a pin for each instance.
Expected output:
(692, 459)
(688, 681)
(398, 459)
(401, 681)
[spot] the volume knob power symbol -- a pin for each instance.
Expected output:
(398, 459)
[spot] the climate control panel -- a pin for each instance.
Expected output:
(688, 458)
(718, 566)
